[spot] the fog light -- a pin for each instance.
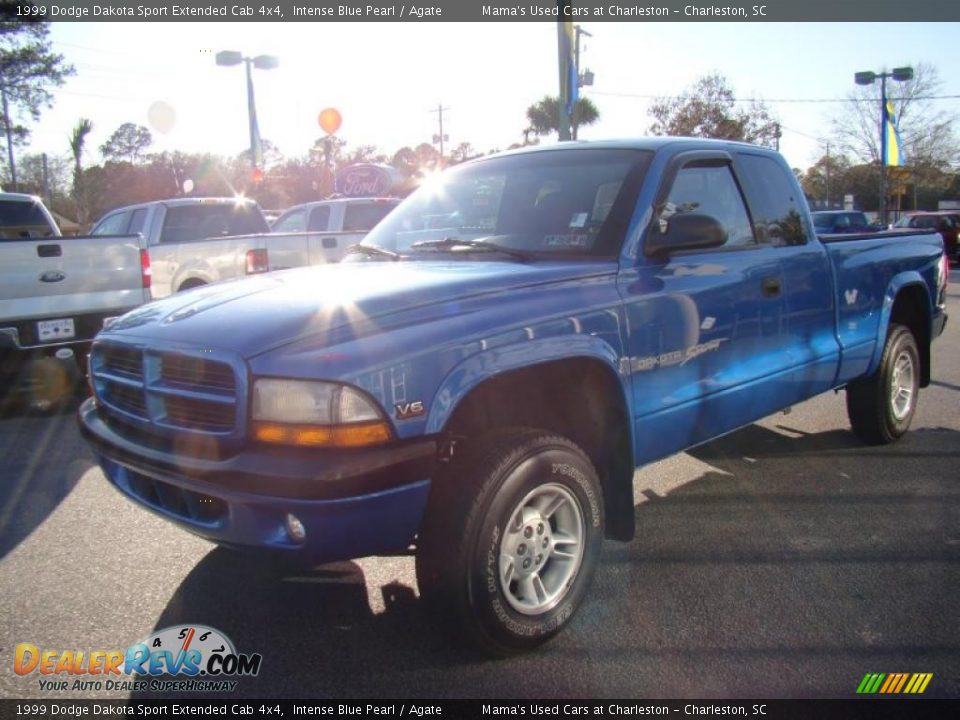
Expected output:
(295, 528)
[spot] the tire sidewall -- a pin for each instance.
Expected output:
(901, 341)
(497, 620)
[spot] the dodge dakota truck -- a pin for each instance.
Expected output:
(55, 295)
(478, 383)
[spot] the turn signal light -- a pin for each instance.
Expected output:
(353, 435)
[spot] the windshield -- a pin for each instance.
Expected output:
(570, 202)
(20, 219)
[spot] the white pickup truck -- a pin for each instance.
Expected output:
(322, 231)
(197, 241)
(56, 293)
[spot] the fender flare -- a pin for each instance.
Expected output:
(896, 285)
(470, 373)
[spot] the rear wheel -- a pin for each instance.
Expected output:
(512, 538)
(881, 407)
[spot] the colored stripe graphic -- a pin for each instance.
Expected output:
(894, 683)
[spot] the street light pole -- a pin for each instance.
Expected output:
(900, 74)
(261, 62)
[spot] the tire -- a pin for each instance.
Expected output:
(881, 407)
(498, 553)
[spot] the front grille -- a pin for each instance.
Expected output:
(199, 414)
(186, 504)
(169, 391)
(124, 361)
(189, 371)
(129, 399)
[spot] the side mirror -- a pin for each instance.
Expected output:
(685, 231)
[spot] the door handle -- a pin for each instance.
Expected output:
(49, 251)
(771, 287)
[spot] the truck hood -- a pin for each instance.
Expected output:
(258, 314)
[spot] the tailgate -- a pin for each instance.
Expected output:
(69, 276)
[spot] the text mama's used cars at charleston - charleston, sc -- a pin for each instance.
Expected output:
(481, 380)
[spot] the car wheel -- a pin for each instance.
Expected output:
(512, 538)
(881, 407)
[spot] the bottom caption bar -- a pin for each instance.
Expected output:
(759, 709)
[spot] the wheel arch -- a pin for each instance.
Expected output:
(906, 302)
(580, 396)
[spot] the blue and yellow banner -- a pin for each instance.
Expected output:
(893, 144)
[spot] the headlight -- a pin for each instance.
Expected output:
(316, 414)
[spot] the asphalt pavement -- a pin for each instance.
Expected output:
(785, 560)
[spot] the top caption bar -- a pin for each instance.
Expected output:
(481, 11)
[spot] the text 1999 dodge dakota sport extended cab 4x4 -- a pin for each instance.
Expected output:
(516, 337)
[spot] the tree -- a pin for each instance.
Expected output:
(544, 116)
(129, 142)
(709, 109)
(824, 180)
(78, 140)
(28, 69)
(927, 133)
(930, 145)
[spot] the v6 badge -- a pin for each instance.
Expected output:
(405, 411)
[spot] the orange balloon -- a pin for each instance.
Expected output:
(329, 120)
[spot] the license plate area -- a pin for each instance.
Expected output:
(55, 330)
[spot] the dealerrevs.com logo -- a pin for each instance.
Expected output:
(198, 658)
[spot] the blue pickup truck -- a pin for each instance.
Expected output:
(479, 379)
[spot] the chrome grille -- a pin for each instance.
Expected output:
(174, 391)
(196, 372)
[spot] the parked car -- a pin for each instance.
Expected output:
(329, 228)
(945, 222)
(56, 293)
(831, 222)
(483, 379)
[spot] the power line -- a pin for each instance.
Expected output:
(773, 100)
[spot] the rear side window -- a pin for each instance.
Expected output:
(115, 224)
(291, 222)
(20, 220)
(184, 223)
(363, 217)
(319, 219)
(774, 201)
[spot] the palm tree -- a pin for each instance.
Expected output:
(544, 116)
(78, 138)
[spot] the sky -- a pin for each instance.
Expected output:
(387, 80)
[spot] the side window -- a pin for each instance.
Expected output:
(115, 224)
(291, 222)
(710, 190)
(136, 221)
(775, 203)
(319, 219)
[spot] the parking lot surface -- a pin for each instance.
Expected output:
(784, 560)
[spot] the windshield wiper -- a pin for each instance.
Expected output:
(373, 251)
(451, 243)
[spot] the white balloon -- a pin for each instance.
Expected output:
(162, 116)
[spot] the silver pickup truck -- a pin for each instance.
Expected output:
(198, 241)
(56, 293)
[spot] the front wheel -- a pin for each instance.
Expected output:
(881, 407)
(512, 539)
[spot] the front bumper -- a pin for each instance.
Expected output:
(350, 504)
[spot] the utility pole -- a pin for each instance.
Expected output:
(828, 188)
(440, 137)
(6, 125)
